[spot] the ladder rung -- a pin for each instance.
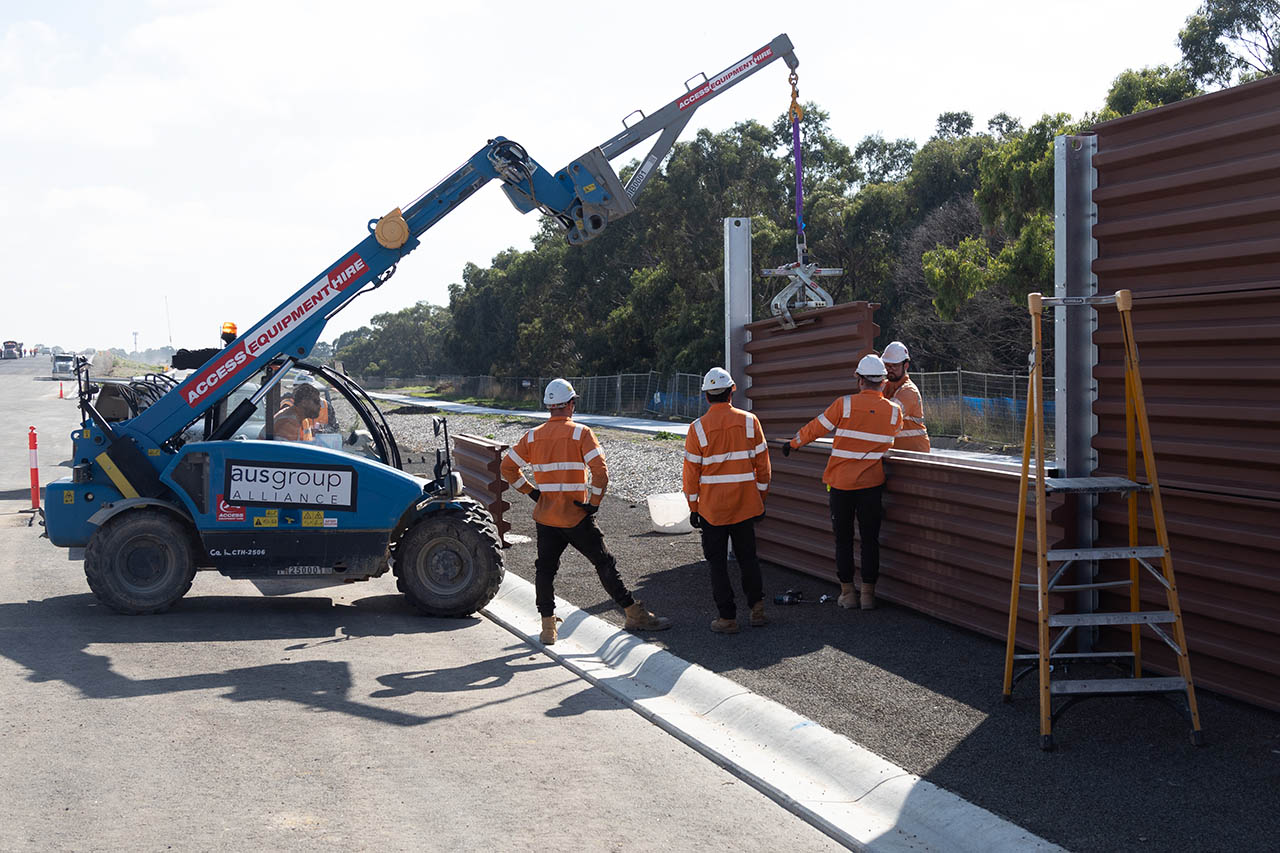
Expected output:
(1078, 586)
(1076, 656)
(1142, 617)
(1093, 484)
(1052, 301)
(1097, 686)
(1059, 554)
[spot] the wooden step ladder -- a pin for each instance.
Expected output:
(1052, 564)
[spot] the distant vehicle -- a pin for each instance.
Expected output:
(64, 366)
(12, 349)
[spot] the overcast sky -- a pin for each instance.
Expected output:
(170, 164)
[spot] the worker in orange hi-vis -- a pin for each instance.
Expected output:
(726, 478)
(901, 390)
(293, 421)
(865, 426)
(561, 452)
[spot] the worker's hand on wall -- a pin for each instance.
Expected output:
(534, 494)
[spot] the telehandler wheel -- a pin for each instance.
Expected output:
(450, 563)
(141, 561)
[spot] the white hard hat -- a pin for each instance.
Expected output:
(717, 379)
(558, 393)
(871, 367)
(896, 353)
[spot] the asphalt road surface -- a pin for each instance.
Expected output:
(338, 720)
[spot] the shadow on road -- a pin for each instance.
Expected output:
(52, 639)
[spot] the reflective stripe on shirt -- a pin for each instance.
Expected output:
(728, 478)
(865, 436)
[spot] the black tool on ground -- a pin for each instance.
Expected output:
(824, 599)
(791, 596)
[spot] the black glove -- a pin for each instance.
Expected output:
(534, 494)
(589, 509)
(695, 520)
(786, 449)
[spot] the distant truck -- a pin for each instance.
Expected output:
(12, 349)
(64, 366)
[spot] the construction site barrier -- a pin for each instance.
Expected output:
(35, 470)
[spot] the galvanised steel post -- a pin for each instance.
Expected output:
(1075, 355)
(737, 304)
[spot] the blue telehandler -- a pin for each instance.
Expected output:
(186, 483)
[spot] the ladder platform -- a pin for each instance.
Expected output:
(1116, 686)
(1093, 485)
(1142, 617)
(1144, 551)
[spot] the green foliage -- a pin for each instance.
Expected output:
(1016, 176)
(954, 125)
(1228, 41)
(408, 342)
(956, 275)
(1135, 91)
(881, 160)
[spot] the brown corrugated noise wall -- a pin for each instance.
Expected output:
(1188, 200)
(479, 460)
(947, 539)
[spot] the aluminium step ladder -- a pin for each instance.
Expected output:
(1052, 564)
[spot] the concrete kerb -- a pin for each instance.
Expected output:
(844, 790)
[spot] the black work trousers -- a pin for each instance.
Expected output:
(866, 506)
(589, 542)
(715, 547)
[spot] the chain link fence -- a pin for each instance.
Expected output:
(990, 408)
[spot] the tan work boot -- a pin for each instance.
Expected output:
(848, 596)
(549, 633)
(868, 596)
(757, 615)
(724, 626)
(639, 619)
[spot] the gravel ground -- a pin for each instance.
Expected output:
(922, 693)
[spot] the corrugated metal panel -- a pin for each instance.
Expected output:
(1226, 557)
(479, 460)
(1188, 203)
(1189, 195)
(947, 540)
(795, 373)
(1211, 372)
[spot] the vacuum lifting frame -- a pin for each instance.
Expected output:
(1052, 564)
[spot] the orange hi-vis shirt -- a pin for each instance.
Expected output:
(914, 435)
(865, 425)
(560, 453)
(726, 465)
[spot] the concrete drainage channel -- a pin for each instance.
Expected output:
(847, 792)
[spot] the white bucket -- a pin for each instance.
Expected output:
(669, 513)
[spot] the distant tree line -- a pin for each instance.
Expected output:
(948, 237)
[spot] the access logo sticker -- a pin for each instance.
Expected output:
(290, 484)
(306, 304)
(719, 82)
(229, 512)
(269, 518)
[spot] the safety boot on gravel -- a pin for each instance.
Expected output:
(868, 596)
(848, 596)
(724, 626)
(639, 619)
(549, 633)
(758, 618)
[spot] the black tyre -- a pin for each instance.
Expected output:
(141, 561)
(450, 563)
